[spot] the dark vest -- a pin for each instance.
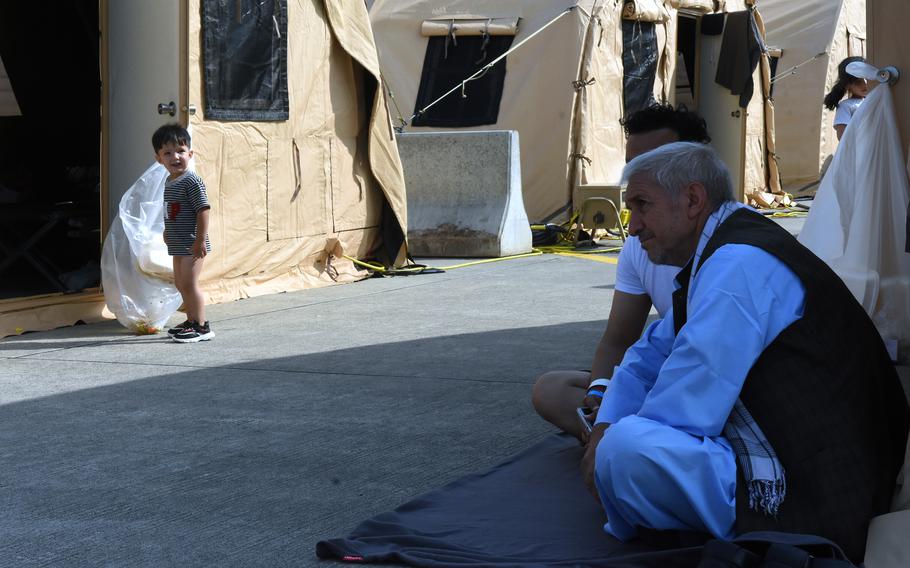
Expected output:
(825, 394)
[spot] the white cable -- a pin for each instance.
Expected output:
(792, 71)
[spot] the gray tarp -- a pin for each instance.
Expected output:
(532, 510)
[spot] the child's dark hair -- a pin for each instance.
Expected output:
(689, 126)
(840, 87)
(170, 133)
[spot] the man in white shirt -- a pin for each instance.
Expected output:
(639, 284)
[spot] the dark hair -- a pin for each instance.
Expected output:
(170, 133)
(687, 125)
(840, 87)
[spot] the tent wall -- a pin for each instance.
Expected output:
(555, 122)
(267, 239)
(601, 132)
(889, 44)
(569, 134)
(50, 311)
(277, 225)
(537, 98)
(851, 23)
(804, 133)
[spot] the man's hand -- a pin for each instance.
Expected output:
(198, 249)
(593, 401)
(587, 462)
(592, 404)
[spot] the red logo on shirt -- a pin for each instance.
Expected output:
(173, 209)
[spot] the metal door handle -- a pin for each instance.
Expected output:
(734, 114)
(169, 108)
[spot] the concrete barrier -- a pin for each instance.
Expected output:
(464, 194)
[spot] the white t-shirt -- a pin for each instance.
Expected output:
(636, 274)
(845, 110)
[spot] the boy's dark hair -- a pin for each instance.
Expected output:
(170, 133)
(839, 89)
(689, 126)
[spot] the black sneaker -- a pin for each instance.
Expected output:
(194, 333)
(178, 328)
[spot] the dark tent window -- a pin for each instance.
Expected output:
(775, 59)
(450, 61)
(245, 56)
(639, 65)
(685, 44)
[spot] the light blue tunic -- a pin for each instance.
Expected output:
(663, 463)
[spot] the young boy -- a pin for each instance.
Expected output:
(186, 222)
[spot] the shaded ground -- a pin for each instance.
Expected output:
(308, 413)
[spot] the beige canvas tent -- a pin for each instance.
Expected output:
(290, 190)
(562, 88)
(298, 154)
(813, 37)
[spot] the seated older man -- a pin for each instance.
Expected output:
(765, 399)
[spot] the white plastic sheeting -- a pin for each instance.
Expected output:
(136, 271)
(858, 220)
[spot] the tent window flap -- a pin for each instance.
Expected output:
(245, 59)
(449, 61)
(639, 65)
(469, 27)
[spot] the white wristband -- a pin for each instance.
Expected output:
(602, 382)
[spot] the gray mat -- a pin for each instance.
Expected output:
(532, 510)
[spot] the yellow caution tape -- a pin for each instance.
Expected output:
(561, 250)
(380, 268)
(604, 259)
(534, 252)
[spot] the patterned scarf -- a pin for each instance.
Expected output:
(763, 472)
(761, 469)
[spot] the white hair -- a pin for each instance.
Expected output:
(674, 166)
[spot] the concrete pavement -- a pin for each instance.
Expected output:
(308, 413)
